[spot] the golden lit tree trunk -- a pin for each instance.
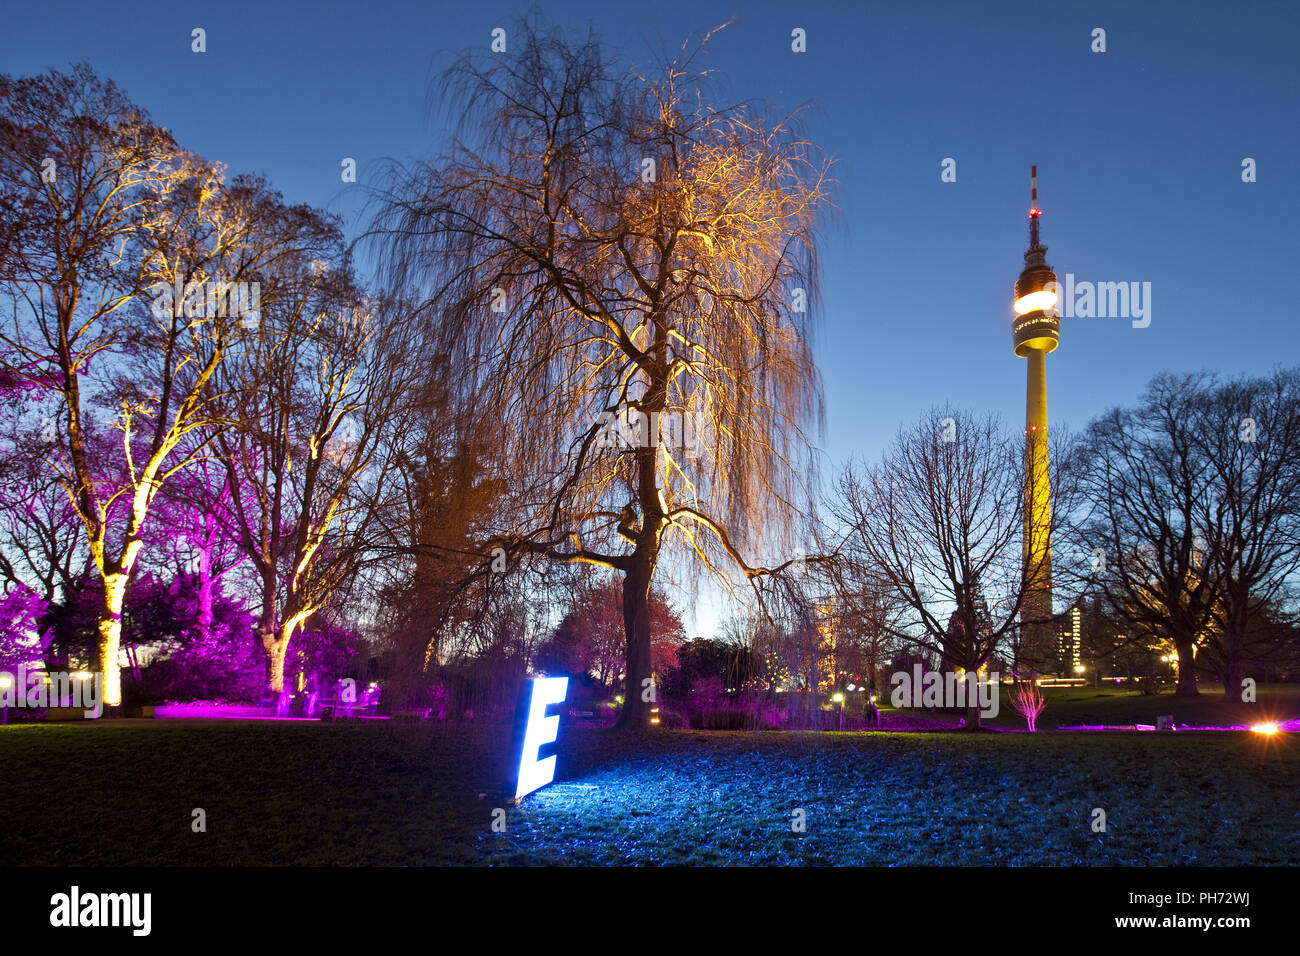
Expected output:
(276, 643)
(277, 646)
(1186, 668)
(110, 636)
(638, 698)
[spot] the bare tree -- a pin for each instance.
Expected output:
(1145, 502)
(431, 584)
(1027, 701)
(1248, 430)
(307, 409)
(42, 543)
(938, 525)
(190, 532)
(623, 272)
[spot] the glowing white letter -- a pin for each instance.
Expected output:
(534, 773)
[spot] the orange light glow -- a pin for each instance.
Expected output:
(1267, 729)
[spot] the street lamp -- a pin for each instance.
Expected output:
(839, 699)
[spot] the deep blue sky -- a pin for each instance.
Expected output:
(1139, 152)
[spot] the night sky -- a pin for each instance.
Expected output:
(1139, 150)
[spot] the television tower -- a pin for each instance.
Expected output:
(1035, 332)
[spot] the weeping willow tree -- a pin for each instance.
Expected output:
(623, 273)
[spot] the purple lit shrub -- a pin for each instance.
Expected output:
(437, 702)
(22, 640)
(710, 707)
(323, 653)
(707, 693)
(195, 658)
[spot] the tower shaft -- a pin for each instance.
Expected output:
(1037, 547)
(1035, 332)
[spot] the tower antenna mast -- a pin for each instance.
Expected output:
(1034, 211)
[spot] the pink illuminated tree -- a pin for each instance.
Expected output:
(1027, 701)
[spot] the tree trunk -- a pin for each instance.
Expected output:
(636, 623)
(639, 692)
(1233, 647)
(110, 637)
(266, 637)
(1186, 670)
(277, 646)
(1232, 677)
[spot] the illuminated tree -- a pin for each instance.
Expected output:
(22, 639)
(622, 272)
(1027, 701)
(307, 406)
(193, 527)
(130, 255)
(100, 206)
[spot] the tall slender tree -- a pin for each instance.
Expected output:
(307, 408)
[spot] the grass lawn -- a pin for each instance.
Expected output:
(1115, 705)
(275, 793)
